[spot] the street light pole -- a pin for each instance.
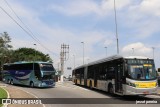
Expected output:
(153, 52)
(34, 57)
(74, 61)
(35, 53)
(116, 27)
(106, 51)
(132, 50)
(83, 52)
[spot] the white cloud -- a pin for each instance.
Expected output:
(109, 4)
(138, 48)
(142, 18)
(150, 7)
(23, 12)
(74, 8)
(108, 42)
(145, 7)
(85, 7)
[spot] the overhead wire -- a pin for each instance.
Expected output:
(29, 32)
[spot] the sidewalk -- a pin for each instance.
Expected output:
(17, 93)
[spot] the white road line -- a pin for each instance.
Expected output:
(73, 87)
(30, 94)
(3, 85)
(153, 96)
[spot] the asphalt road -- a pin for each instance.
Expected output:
(68, 90)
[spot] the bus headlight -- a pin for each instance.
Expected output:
(132, 84)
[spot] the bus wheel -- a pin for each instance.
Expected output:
(75, 82)
(8, 81)
(110, 89)
(31, 84)
(90, 85)
(11, 82)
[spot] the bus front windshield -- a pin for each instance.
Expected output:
(48, 71)
(47, 67)
(141, 71)
(48, 76)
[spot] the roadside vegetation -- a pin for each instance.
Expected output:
(9, 55)
(3, 94)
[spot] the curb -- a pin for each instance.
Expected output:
(23, 91)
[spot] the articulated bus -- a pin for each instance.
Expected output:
(158, 72)
(119, 75)
(33, 74)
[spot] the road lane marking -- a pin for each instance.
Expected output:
(153, 96)
(30, 94)
(72, 87)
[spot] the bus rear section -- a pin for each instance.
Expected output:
(37, 74)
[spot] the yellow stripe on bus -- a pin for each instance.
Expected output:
(145, 84)
(147, 65)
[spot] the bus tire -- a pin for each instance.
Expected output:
(8, 81)
(90, 84)
(31, 84)
(75, 82)
(110, 88)
(11, 82)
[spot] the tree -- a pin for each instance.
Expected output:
(7, 55)
(29, 54)
(5, 48)
(4, 41)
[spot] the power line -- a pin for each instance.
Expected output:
(20, 20)
(18, 23)
(30, 32)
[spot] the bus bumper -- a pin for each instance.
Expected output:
(129, 90)
(43, 84)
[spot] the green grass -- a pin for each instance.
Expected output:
(3, 94)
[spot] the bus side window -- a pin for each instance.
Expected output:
(37, 71)
(158, 73)
(111, 72)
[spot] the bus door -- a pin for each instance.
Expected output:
(118, 79)
(85, 75)
(95, 76)
(82, 76)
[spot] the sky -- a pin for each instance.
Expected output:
(54, 22)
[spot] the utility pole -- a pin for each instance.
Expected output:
(64, 56)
